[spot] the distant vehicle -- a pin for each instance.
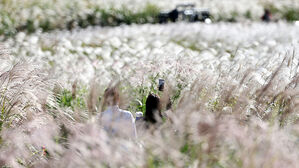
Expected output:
(184, 12)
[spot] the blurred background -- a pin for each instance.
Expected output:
(45, 15)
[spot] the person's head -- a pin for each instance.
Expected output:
(267, 11)
(111, 96)
(161, 85)
(153, 108)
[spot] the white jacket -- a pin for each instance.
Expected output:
(118, 122)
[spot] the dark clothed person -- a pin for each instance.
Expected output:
(267, 17)
(153, 109)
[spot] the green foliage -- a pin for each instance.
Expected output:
(233, 17)
(191, 150)
(65, 99)
(189, 45)
(30, 26)
(154, 161)
(291, 14)
(176, 94)
(272, 8)
(68, 99)
(227, 17)
(141, 92)
(7, 24)
(214, 104)
(279, 110)
(115, 17)
(98, 16)
(6, 107)
(248, 14)
(217, 104)
(46, 25)
(288, 13)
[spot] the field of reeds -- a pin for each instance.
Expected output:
(233, 88)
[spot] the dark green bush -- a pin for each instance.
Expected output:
(103, 17)
(291, 14)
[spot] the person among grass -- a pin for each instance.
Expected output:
(174, 15)
(117, 122)
(153, 109)
(267, 16)
(152, 115)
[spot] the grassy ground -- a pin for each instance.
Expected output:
(233, 87)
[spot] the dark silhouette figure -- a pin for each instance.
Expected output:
(153, 109)
(173, 15)
(267, 17)
(163, 17)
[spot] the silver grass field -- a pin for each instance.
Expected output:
(233, 86)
